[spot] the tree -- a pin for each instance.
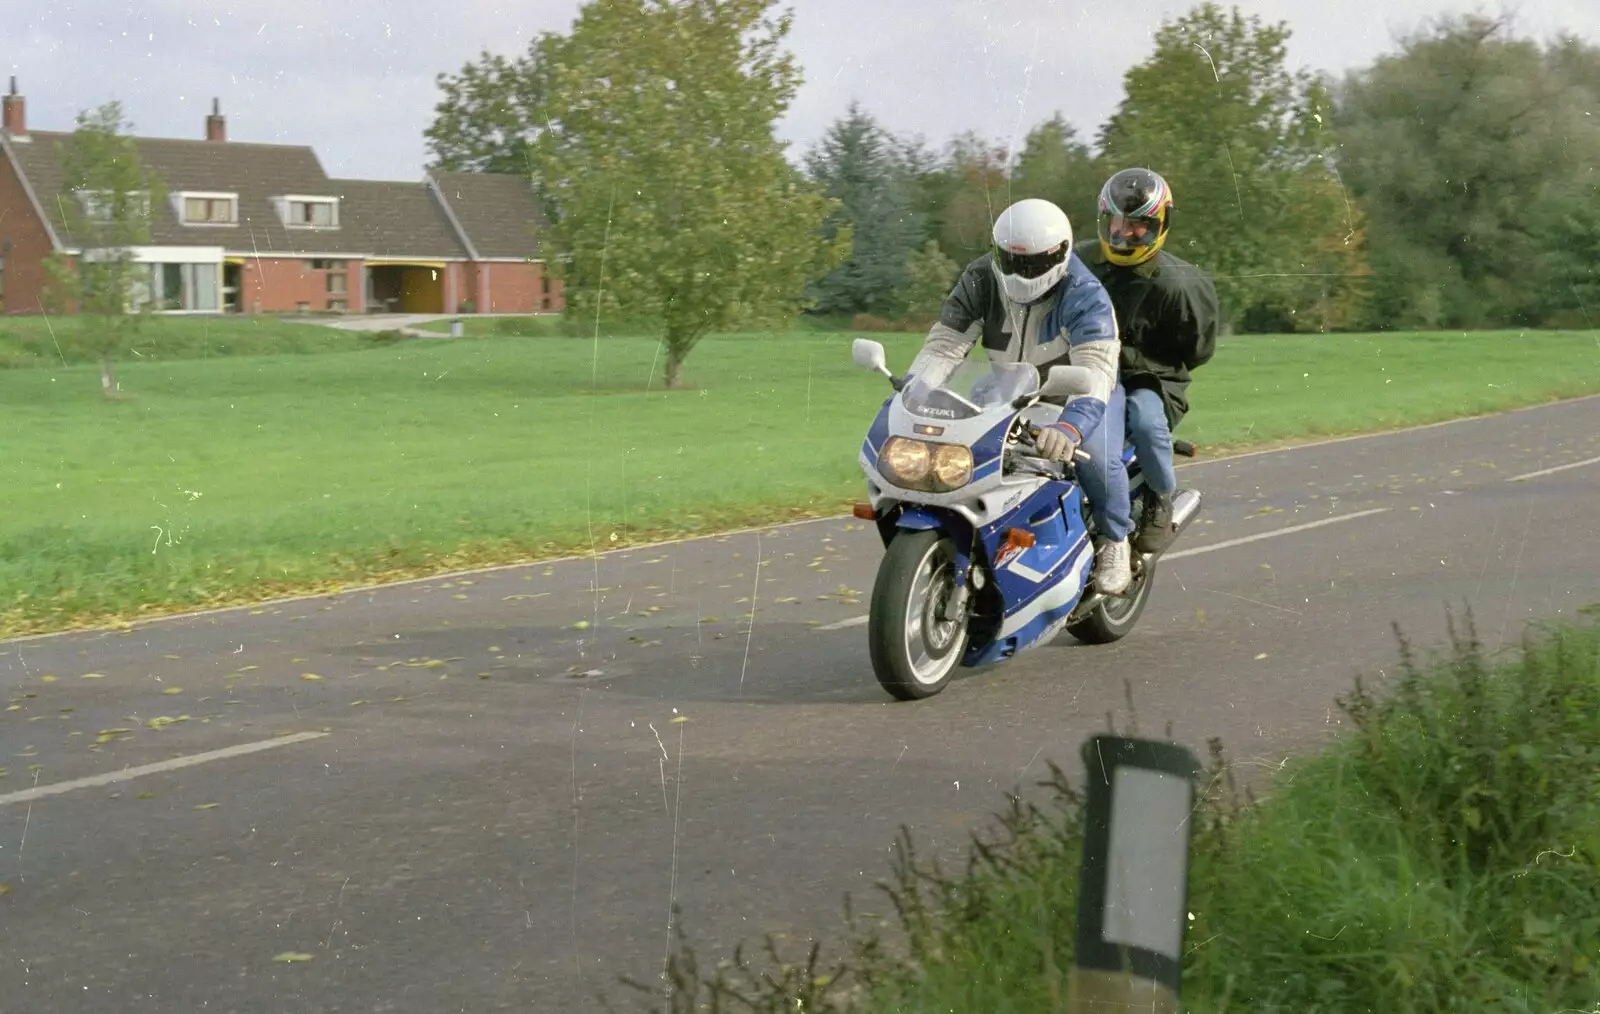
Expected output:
(1245, 144)
(1056, 166)
(486, 119)
(669, 195)
(961, 193)
(857, 164)
(1473, 152)
(103, 283)
(930, 277)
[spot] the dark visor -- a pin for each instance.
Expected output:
(1029, 265)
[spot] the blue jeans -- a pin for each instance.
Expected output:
(1152, 440)
(1105, 478)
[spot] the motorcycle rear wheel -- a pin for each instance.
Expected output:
(1115, 617)
(915, 651)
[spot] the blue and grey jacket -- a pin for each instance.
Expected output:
(1073, 325)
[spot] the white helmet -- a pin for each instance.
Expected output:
(1032, 240)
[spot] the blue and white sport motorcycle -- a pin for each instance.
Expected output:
(989, 548)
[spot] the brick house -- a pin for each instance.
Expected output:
(261, 228)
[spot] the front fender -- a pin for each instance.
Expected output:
(913, 518)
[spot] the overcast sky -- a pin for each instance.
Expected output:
(355, 79)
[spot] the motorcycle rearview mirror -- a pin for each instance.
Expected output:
(1067, 380)
(868, 355)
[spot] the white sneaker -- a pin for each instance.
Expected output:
(1112, 572)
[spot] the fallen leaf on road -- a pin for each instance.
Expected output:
(248, 668)
(354, 704)
(289, 957)
(47, 678)
(680, 719)
(494, 647)
(309, 676)
(92, 676)
(1261, 656)
(297, 660)
(172, 690)
(5, 888)
(145, 795)
(581, 625)
(708, 619)
(14, 707)
(483, 675)
(206, 806)
(458, 595)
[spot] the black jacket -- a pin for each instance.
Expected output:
(1167, 313)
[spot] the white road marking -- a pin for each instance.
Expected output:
(1292, 529)
(854, 621)
(1558, 468)
(38, 792)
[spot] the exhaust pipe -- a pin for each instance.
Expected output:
(1185, 507)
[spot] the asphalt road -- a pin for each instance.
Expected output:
(502, 804)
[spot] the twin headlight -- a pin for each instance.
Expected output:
(918, 464)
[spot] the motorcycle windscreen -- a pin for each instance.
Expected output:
(933, 393)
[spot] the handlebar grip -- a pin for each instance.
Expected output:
(1078, 453)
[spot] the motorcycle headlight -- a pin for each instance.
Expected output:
(916, 464)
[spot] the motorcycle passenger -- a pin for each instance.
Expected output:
(1167, 317)
(1031, 299)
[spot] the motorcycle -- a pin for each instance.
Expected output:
(989, 548)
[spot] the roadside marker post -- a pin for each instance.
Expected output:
(1133, 886)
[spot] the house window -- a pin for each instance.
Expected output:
(312, 214)
(544, 282)
(337, 305)
(337, 281)
(324, 265)
(209, 210)
(181, 287)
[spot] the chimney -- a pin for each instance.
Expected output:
(14, 117)
(216, 126)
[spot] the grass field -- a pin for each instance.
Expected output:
(228, 478)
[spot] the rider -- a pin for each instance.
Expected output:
(1030, 299)
(1167, 314)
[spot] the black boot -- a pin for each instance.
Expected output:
(1155, 524)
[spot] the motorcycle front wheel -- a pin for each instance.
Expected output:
(915, 650)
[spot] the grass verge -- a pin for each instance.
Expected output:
(1442, 855)
(49, 341)
(230, 480)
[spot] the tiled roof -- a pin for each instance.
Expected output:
(497, 211)
(256, 172)
(397, 220)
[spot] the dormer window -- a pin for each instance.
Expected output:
(97, 205)
(197, 208)
(302, 212)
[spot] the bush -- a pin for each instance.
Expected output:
(1444, 856)
(867, 322)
